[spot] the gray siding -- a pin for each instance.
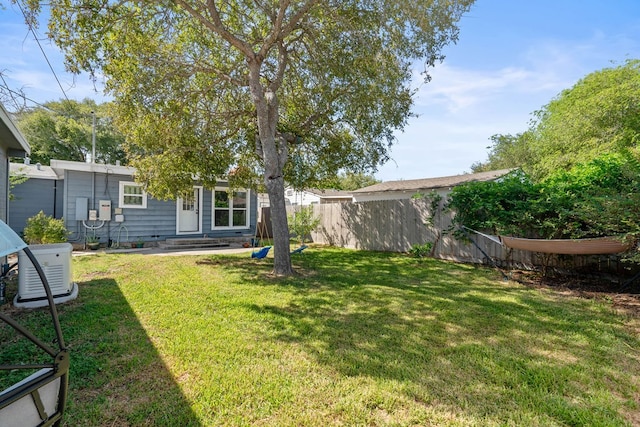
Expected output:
(155, 223)
(4, 184)
(12, 143)
(32, 196)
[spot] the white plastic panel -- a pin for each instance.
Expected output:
(55, 260)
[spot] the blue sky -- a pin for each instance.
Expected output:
(512, 58)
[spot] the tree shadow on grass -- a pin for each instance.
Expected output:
(116, 375)
(458, 336)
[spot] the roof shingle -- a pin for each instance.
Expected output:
(432, 183)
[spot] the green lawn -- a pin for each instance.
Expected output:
(359, 338)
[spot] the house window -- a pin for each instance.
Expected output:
(132, 196)
(230, 210)
(189, 204)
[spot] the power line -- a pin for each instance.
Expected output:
(37, 40)
(11, 92)
(38, 104)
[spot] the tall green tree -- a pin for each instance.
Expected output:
(506, 151)
(63, 130)
(209, 87)
(350, 181)
(600, 114)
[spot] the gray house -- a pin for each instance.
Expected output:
(42, 191)
(105, 201)
(12, 144)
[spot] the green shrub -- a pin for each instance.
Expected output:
(42, 229)
(302, 223)
(421, 251)
(598, 198)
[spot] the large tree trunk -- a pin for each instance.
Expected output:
(282, 258)
(273, 149)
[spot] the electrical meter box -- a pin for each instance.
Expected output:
(104, 213)
(82, 206)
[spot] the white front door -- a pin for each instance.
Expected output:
(189, 208)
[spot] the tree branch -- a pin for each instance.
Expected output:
(295, 19)
(282, 67)
(266, 11)
(217, 26)
(280, 31)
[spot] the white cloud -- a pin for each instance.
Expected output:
(457, 88)
(466, 103)
(541, 69)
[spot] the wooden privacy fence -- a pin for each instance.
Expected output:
(398, 225)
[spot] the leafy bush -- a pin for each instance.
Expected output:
(601, 197)
(41, 229)
(502, 207)
(421, 251)
(302, 223)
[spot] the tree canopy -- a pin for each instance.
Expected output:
(285, 89)
(579, 166)
(350, 181)
(63, 130)
(600, 114)
(506, 152)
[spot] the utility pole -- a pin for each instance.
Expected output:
(93, 138)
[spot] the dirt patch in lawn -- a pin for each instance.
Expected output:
(625, 299)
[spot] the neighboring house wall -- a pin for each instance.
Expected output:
(4, 184)
(32, 196)
(302, 198)
(312, 197)
(12, 144)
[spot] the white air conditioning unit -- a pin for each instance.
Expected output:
(55, 260)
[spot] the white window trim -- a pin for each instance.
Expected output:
(121, 195)
(213, 210)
